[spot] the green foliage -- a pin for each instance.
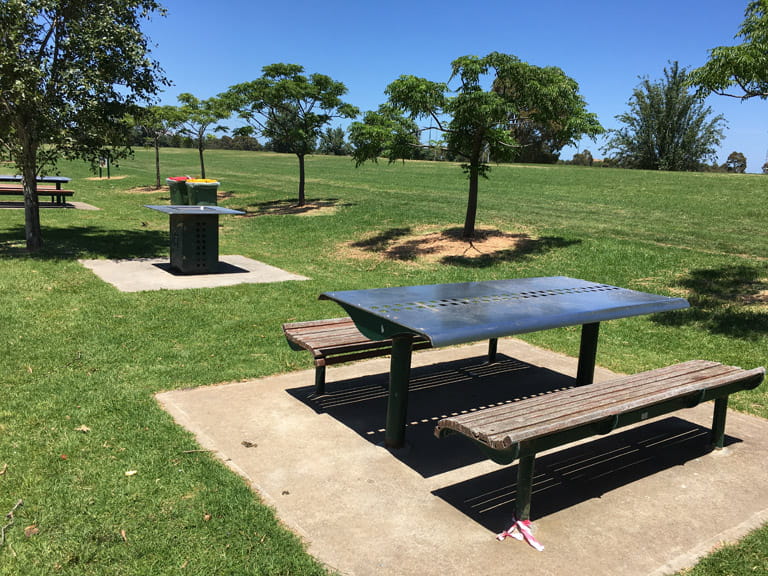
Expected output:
(70, 73)
(736, 162)
(744, 67)
(156, 122)
(385, 132)
(290, 108)
(333, 142)
(475, 122)
(583, 158)
(200, 116)
(549, 111)
(666, 127)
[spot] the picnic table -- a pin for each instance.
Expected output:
(448, 314)
(56, 192)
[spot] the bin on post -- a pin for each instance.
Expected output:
(202, 191)
(178, 187)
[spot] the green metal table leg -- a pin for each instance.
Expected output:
(493, 345)
(524, 487)
(399, 375)
(718, 422)
(320, 380)
(585, 373)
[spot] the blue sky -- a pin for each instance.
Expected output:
(205, 46)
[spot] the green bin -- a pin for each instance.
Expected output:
(202, 192)
(178, 187)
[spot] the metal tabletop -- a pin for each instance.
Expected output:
(58, 180)
(189, 210)
(450, 314)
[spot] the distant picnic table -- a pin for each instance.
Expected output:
(56, 192)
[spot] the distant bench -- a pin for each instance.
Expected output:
(519, 430)
(57, 195)
(44, 188)
(337, 340)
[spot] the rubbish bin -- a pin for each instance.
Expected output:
(202, 191)
(178, 187)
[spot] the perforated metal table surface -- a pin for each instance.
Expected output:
(448, 314)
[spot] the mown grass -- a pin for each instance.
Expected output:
(82, 360)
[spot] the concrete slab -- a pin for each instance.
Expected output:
(647, 500)
(139, 274)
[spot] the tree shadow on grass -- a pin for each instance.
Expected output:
(87, 241)
(730, 300)
(525, 248)
(448, 247)
(289, 206)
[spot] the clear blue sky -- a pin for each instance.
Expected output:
(205, 46)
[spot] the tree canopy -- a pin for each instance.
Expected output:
(291, 108)
(666, 127)
(155, 122)
(739, 71)
(70, 73)
(198, 117)
(476, 120)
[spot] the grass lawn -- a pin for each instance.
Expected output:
(82, 361)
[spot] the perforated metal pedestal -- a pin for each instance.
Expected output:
(194, 234)
(194, 243)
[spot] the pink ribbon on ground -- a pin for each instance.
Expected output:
(521, 530)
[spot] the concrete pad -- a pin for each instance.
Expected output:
(645, 500)
(138, 274)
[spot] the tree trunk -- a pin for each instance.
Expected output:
(157, 162)
(302, 200)
(469, 219)
(474, 183)
(202, 163)
(33, 233)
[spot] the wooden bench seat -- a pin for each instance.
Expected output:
(519, 430)
(57, 195)
(334, 341)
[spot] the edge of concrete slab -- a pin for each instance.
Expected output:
(140, 274)
(418, 515)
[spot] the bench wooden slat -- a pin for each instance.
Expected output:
(500, 427)
(520, 429)
(337, 340)
(538, 410)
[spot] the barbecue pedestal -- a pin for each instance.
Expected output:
(194, 232)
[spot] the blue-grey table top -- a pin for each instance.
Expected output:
(450, 314)
(192, 210)
(17, 178)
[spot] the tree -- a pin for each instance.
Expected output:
(666, 127)
(70, 73)
(736, 162)
(476, 123)
(332, 142)
(200, 116)
(583, 158)
(743, 68)
(157, 122)
(543, 126)
(290, 108)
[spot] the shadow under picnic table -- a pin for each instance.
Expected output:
(573, 475)
(435, 391)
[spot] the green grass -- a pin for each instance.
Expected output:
(80, 353)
